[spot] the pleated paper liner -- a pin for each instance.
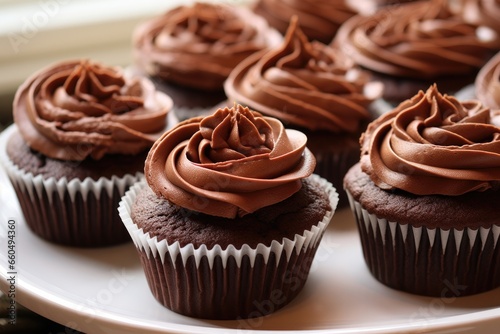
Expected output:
(231, 283)
(430, 262)
(71, 212)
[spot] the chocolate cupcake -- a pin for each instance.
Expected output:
(411, 46)
(314, 88)
(320, 20)
(81, 135)
(425, 196)
(189, 51)
(230, 217)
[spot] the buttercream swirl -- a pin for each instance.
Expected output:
(420, 40)
(320, 19)
(434, 144)
(198, 45)
(484, 12)
(228, 164)
(72, 110)
(487, 83)
(309, 85)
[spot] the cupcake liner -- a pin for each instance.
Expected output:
(226, 283)
(71, 212)
(432, 262)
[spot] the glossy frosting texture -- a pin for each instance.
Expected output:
(487, 83)
(320, 19)
(434, 144)
(309, 85)
(198, 45)
(420, 40)
(78, 109)
(228, 164)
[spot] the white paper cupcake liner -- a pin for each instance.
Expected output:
(72, 212)
(429, 261)
(174, 273)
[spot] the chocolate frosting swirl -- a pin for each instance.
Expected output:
(482, 12)
(434, 144)
(420, 40)
(228, 164)
(487, 83)
(72, 110)
(319, 19)
(197, 46)
(309, 85)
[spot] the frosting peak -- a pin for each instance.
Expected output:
(305, 84)
(95, 90)
(434, 144)
(228, 164)
(78, 109)
(90, 82)
(230, 134)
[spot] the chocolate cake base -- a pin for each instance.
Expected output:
(36, 163)
(165, 220)
(442, 246)
(66, 202)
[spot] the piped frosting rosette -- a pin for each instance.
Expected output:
(78, 109)
(434, 144)
(198, 45)
(437, 161)
(74, 111)
(420, 40)
(305, 84)
(228, 164)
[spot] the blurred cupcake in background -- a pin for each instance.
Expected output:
(190, 50)
(312, 87)
(482, 12)
(319, 20)
(411, 46)
(487, 84)
(81, 135)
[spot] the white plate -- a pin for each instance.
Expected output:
(105, 291)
